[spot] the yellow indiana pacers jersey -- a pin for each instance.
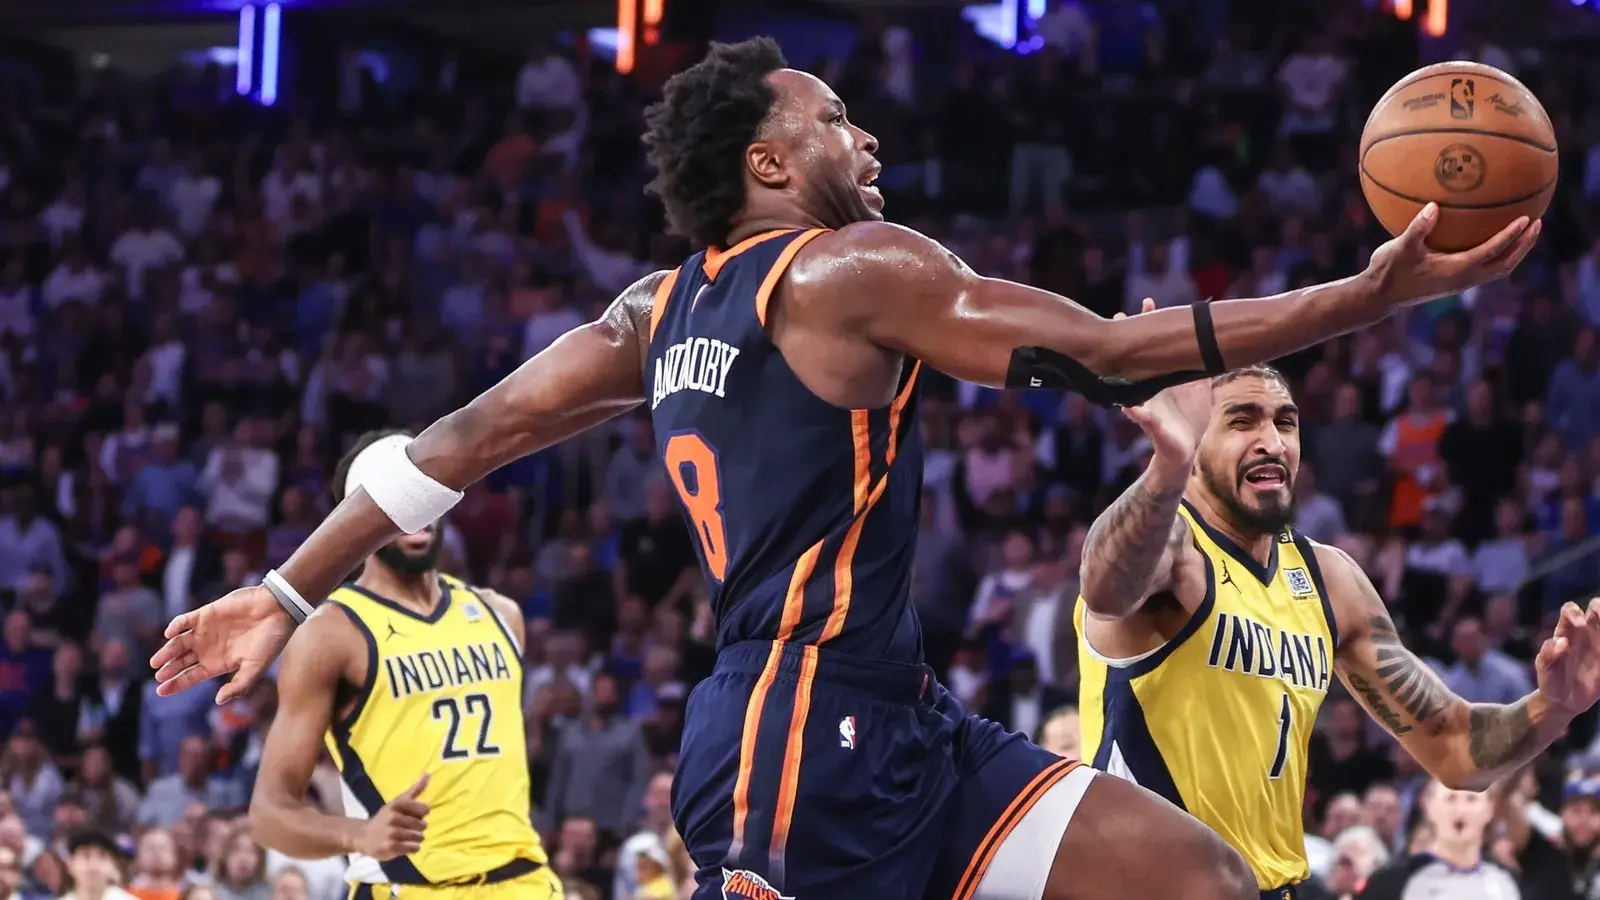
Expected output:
(1218, 719)
(443, 695)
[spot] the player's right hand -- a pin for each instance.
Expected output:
(1405, 272)
(397, 829)
(1176, 419)
(240, 634)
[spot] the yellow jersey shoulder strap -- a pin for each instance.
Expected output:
(471, 595)
(1303, 550)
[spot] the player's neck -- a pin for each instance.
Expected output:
(1253, 542)
(763, 221)
(419, 592)
(1460, 854)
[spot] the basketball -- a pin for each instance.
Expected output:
(1466, 136)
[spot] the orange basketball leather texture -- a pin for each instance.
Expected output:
(1466, 136)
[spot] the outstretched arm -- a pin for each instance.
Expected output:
(589, 375)
(1467, 746)
(1134, 548)
(926, 302)
(280, 815)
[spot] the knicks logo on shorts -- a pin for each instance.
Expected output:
(743, 884)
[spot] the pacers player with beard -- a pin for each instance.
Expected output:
(414, 681)
(1210, 632)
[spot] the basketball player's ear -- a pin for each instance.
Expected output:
(765, 161)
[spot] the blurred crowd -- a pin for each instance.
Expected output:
(202, 303)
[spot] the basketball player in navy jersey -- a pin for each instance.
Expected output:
(780, 367)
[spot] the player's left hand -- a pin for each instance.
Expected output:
(239, 634)
(1405, 272)
(1569, 662)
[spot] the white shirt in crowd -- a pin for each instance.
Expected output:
(67, 284)
(245, 498)
(194, 294)
(1312, 80)
(279, 190)
(60, 219)
(191, 198)
(166, 372)
(1447, 557)
(138, 251)
(548, 83)
(1291, 190)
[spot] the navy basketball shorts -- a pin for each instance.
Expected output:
(808, 774)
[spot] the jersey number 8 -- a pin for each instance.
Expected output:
(471, 706)
(692, 465)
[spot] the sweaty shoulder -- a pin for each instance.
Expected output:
(894, 265)
(631, 316)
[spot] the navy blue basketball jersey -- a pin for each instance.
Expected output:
(804, 514)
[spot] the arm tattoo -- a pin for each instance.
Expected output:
(1406, 680)
(1498, 735)
(1123, 551)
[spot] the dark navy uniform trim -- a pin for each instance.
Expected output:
(1264, 574)
(430, 618)
(1128, 731)
(1201, 613)
(361, 694)
(1314, 566)
(400, 870)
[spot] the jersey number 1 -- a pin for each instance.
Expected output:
(1285, 721)
(692, 465)
(475, 704)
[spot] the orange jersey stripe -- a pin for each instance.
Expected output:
(1004, 825)
(789, 784)
(747, 746)
(844, 566)
(861, 437)
(775, 274)
(659, 305)
(794, 601)
(898, 407)
(716, 259)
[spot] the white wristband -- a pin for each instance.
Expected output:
(406, 494)
(289, 598)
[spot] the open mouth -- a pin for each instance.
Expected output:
(867, 181)
(1267, 475)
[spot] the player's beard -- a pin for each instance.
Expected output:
(1272, 516)
(411, 564)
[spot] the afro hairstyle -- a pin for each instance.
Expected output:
(696, 136)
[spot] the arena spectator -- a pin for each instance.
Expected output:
(93, 865)
(169, 796)
(1454, 862)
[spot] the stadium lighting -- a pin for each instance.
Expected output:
(245, 62)
(1437, 21)
(271, 31)
(627, 27)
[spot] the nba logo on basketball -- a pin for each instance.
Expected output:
(742, 884)
(1461, 98)
(847, 732)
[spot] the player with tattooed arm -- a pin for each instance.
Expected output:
(1210, 632)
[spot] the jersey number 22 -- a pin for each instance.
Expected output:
(452, 711)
